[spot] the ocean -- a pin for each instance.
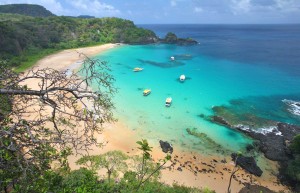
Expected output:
(248, 74)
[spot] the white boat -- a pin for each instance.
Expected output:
(137, 69)
(168, 101)
(182, 78)
(146, 92)
(172, 58)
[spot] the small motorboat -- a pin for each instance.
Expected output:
(182, 78)
(146, 92)
(172, 58)
(137, 69)
(168, 101)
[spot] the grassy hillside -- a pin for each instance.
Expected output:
(26, 9)
(25, 39)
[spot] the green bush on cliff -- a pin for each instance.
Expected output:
(293, 166)
(295, 145)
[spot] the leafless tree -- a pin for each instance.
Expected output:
(61, 112)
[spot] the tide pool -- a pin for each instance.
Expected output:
(210, 82)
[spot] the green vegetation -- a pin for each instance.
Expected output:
(24, 39)
(86, 181)
(26, 9)
(170, 37)
(113, 162)
(293, 167)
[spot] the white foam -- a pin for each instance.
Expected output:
(294, 106)
(271, 129)
(263, 130)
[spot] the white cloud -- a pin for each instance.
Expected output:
(240, 6)
(288, 5)
(266, 6)
(95, 7)
(198, 9)
(173, 3)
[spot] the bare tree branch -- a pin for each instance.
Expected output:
(59, 112)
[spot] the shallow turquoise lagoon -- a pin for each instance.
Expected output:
(210, 82)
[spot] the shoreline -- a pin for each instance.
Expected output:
(71, 58)
(197, 170)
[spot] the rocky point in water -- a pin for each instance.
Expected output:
(165, 146)
(171, 38)
(273, 144)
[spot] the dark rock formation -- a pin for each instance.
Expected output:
(165, 146)
(248, 164)
(171, 38)
(275, 144)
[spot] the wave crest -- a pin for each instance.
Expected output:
(294, 106)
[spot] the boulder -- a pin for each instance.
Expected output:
(165, 146)
(248, 164)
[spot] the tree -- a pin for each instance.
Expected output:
(60, 114)
(236, 168)
(147, 170)
(112, 161)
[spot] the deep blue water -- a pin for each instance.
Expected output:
(274, 45)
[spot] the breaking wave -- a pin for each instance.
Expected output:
(294, 106)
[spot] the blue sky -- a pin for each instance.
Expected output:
(179, 11)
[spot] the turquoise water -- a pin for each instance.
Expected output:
(210, 82)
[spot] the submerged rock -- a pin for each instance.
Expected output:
(165, 146)
(220, 120)
(205, 140)
(248, 164)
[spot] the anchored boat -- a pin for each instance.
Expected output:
(182, 78)
(146, 92)
(137, 69)
(168, 101)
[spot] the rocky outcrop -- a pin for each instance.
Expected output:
(275, 144)
(171, 38)
(165, 146)
(248, 164)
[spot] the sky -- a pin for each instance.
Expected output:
(178, 11)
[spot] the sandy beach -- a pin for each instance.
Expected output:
(188, 168)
